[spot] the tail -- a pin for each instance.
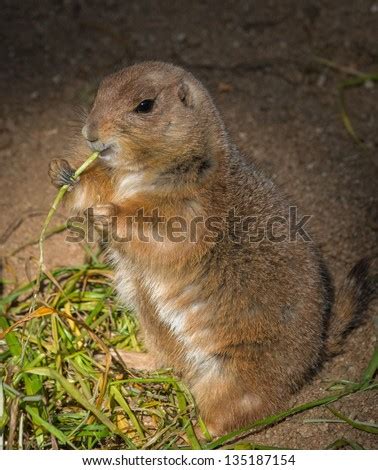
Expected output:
(351, 305)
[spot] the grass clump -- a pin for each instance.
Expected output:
(57, 382)
(62, 388)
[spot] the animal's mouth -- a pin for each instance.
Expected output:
(108, 153)
(107, 150)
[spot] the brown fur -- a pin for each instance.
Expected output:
(243, 323)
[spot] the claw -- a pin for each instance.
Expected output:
(61, 173)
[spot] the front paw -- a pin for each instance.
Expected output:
(61, 173)
(136, 360)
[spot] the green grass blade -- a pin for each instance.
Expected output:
(342, 443)
(37, 419)
(74, 393)
(126, 408)
(371, 369)
(367, 427)
(182, 404)
(11, 339)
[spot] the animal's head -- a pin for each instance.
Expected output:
(151, 114)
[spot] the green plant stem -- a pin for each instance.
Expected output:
(48, 234)
(58, 199)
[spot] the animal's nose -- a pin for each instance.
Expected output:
(90, 133)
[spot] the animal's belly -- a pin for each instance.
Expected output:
(125, 279)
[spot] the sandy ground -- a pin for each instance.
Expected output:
(280, 105)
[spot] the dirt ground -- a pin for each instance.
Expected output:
(280, 105)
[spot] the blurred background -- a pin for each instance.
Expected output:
(278, 71)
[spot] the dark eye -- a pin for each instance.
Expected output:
(144, 106)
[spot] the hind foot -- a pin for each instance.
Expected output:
(136, 360)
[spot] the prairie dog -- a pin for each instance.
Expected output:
(243, 320)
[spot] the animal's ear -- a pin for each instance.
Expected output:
(185, 94)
